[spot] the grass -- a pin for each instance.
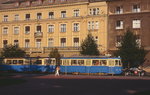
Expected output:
(10, 81)
(143, 93)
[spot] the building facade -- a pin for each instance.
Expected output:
(37, 26)
(132, 14)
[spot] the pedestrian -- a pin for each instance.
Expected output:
(57, 71)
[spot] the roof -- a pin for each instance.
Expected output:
(8, 4)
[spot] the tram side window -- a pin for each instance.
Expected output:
(38, 62)
(14, 61)
(28, 62)
(20, 61)
(65, 62)
(73, 62)
(52, 62)
(111, 62)
(103, 62)
(8, 62)
(81, 62)
(95, 62)
(47, 62)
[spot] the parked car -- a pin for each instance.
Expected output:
(134, 71)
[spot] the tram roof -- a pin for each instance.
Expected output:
(90, 58)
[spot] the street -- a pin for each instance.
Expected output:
(77, 85)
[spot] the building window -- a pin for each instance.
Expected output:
(27, 43)
(89, 25)
(39, 15)
(63, 14)
(63, 0)
(27, 29)
(5, 18)
(63, 42)
(63, 28)
(119, 10)
(118, 40)
(50, 28)
(17, 4)
(96, 39)
(50, 42)
(28, 3)
(16, 43)
(93, 25)
(138, 40)
(136, 8)
(94, 11)
(38, 29)
(136, 23)
(5, 30)
(39, 2)
(96, 25)
(119, 24)
(16, 30)
(16, 17)
(5, 43)
(51, 15)
(76, 13)
(76, 27)
(51, 1)
(27, 17)
(76, 42)
(38, 43)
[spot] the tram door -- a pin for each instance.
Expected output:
(88, 62)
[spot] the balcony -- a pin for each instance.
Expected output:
(38, 34)
(118, 44)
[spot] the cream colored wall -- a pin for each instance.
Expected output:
(69, 34)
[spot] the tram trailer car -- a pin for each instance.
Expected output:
(105, 65)
(30, 64)
(91, 65)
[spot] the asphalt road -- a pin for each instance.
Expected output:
(77, 85)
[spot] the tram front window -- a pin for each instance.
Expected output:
(120, 63)
(116, 62)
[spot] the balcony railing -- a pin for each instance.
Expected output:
(38, 34)
(48, 49)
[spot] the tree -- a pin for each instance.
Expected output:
(131, 53)
(55, 54)
(10, 51)
(89, 46)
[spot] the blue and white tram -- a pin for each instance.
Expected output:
(105, 65)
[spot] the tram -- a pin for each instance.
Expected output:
(107, 65)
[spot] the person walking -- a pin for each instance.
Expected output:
(57, 71)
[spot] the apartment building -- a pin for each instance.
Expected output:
(133, 14)
(37, 26)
